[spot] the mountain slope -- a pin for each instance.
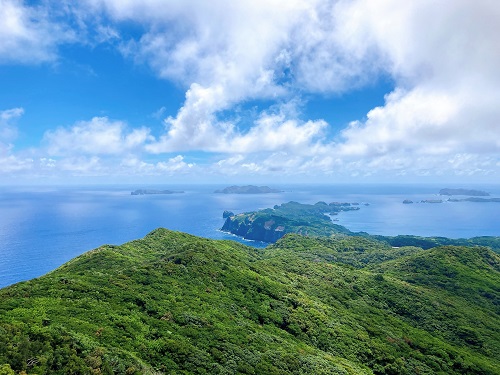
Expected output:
(175, 303)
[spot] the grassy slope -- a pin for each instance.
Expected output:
(175, 303)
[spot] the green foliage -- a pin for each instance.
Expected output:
(269, 225)
(176, 304)
(430, 242)
(6, 370)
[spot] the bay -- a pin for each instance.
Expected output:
(43, 227)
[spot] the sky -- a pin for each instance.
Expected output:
(222, 91)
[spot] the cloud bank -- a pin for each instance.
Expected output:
(441, 118)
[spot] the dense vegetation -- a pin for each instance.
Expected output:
(270, 224)
(177, 304)
(430, 242)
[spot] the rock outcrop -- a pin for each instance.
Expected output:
(227, 214)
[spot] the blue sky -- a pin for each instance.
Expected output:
(112, 91)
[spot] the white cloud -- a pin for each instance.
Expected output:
(106, 34)
(11, 163)
(416, 121)
(10, 114)
(8, 131)
(272, 131)
(28, 34)
(173, 166)
(47, 163)
(184, 43)
(275, 132)
(82, 166)
(159, 114)
(445, 60)
(442, 117)
(230, 162)
(195, 126)
(99, 136)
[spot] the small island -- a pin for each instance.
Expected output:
(431, 201)
(248, 189)
(154, 192)
(469, 192)
(472, 196)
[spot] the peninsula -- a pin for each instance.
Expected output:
(314, 220)
(248, 189)
(271, 224)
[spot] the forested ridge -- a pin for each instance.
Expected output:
(172, 303)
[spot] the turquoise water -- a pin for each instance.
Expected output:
(41, 228)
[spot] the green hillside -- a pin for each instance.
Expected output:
(271, 224)
(172, 303)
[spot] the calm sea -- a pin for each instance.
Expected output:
(43, 227)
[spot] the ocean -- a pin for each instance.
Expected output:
(44, 227)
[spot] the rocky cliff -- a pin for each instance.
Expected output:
(259, 230)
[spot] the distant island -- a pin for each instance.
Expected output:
(474, 196)
(249, 189)
(153, 192)
(475, 199)
(469, 192)
(470, 199)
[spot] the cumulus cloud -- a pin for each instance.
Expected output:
(444, 60)
(442, 114)
(272, 131)
(184, 43)
(99, 136)
(415, 121)
(30, 34)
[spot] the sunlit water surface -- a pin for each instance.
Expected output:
(41, 228)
